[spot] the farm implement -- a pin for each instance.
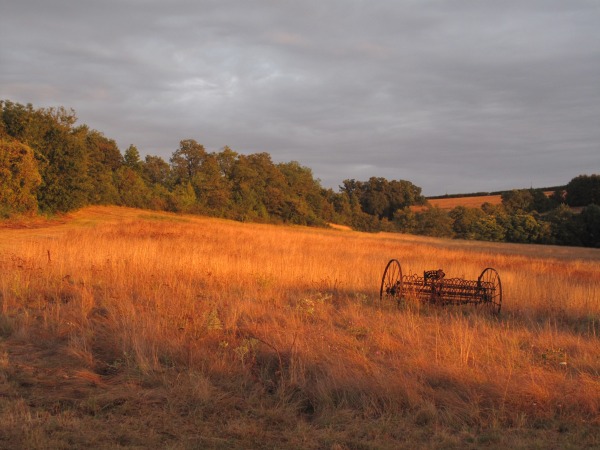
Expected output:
(433, 287)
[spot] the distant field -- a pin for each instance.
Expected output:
(470, 202)
(122, 328)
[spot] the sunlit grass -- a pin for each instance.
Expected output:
(287, 320)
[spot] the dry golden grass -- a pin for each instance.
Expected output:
(469, 202)
(130, 329)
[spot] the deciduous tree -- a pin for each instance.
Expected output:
(19, 178)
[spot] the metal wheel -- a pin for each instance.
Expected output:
(391, 282)
(490, 289)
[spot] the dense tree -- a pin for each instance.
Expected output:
(213, 187)
(227, 159)
(517, 201)
(132, 159)
(405, 220)
(487, 228)
(565, 229)
(105, 160)
(341, 209)
(65, 180)
(133, 191)
(433, 221)
(24, 123)
(520, 201)
(19, 178)
(542, 203)
(590, 225)
(59, 149)
(524, 228)
(382, 198)
(374, 197)
(182, 199)
(186, 161)
(464, 221)
(156, 170)
(583, 190)
(475, 223)
(351, 190)
(303, 195)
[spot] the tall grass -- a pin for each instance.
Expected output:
(288, 318)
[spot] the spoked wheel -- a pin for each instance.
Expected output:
(391, 282)
(490, 289)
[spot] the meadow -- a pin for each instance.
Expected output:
(122, 328)
(468, 202)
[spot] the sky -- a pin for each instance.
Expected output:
(455, 96)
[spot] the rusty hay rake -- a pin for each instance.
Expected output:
(435, 288)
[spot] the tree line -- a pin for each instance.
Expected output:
(50, 164)
(524, 216)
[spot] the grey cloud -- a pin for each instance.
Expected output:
(453, 96)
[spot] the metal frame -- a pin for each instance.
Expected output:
(434, 287)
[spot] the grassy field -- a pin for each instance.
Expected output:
(122, 328)
(469, 202)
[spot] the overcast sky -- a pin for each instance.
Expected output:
(454, 96)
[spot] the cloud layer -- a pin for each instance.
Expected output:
(454, 96)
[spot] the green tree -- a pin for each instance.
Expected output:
(227, 159)
(590, 225)
(19, 178)
(382, 198)
(251, 176)
(583, 190)
(186, 161)
(303, 195)
(341, 209)
(464, 221)
(65, 181)
(434, 222)
(24, 123)
(542, 203)
(565, 229)
(131, 159)
(104, 160)
(156, 170)
(487, 228)
(213, 187)
(183, 199)
(517, 201)
(133, 191)
(59, 149)
(405, 220)
(524, 228)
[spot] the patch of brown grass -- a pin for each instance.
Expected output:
(156, 330)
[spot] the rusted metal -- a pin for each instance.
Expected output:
(434, 287)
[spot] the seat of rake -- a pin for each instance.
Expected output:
(434, 287)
